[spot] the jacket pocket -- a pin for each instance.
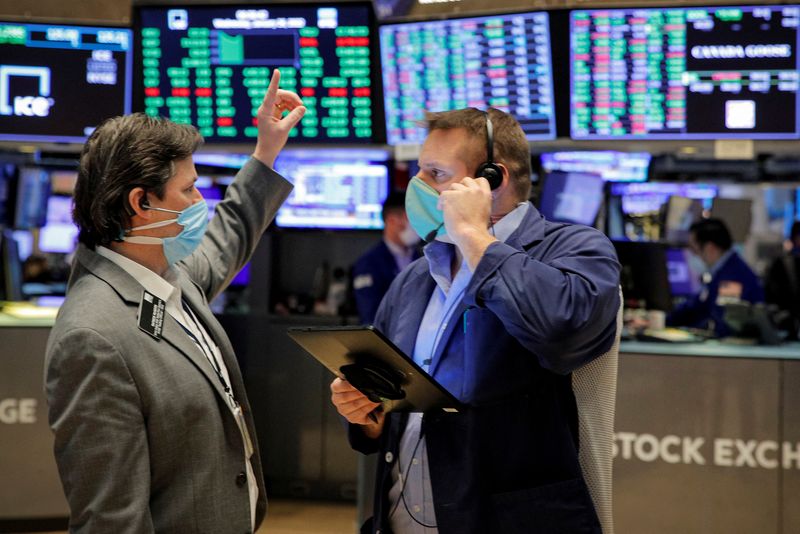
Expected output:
(563, 507)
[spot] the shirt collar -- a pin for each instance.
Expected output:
(439, 254)
(153, 283)
(509, 224)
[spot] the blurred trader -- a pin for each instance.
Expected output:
(505, 310)
(376, 268)
(728, 277)
(782, 285)
(153, 430)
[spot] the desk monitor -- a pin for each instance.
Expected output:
(58, 82)
(210, 66)
(683, 282)
(8, 180)
(644, 276)
(610, 165)
(679, 215)
(10, 268)
(59, 234)
(503, 61)
(737, 215)
(572, 197)
(32, 194)
(685, 72)
(375, 366)
(334, 189)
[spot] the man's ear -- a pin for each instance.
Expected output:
(137, 200)
(506, 177)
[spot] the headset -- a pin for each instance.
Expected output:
(490, 170)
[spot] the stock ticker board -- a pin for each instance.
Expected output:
(697, 72)
(501, 61)
(210, 67)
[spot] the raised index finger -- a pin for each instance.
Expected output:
(272, 91)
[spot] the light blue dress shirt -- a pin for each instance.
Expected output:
(411, 497)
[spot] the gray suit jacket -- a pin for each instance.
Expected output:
(144, 440)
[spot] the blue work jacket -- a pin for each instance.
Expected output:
(376, 268)
(701, 309)
(538, 307)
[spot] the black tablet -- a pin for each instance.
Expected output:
(375, 366)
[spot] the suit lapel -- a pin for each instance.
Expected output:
(131, 290)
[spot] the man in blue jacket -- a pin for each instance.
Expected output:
(374, 271)
(501, 311)
(727, 277)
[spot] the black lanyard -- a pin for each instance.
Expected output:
(211, 356)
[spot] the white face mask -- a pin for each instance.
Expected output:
(408, 236)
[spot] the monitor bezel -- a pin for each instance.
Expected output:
(129, 73)
(674, 136)
(376, 80)
(461, 17)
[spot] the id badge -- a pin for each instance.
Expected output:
(239, 416)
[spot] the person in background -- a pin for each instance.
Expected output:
(153, 430)
(727, 276)
(506, 311)
(374, 271)
(782, 285)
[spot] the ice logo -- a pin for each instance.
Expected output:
(25, 106)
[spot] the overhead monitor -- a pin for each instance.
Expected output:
(685, 72)
(335, 189)
(611, 166)
(571, 197)
(503, 61)
(683, 281)
(57, 82)
(210, 66)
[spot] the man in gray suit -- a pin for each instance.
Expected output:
(153, 431)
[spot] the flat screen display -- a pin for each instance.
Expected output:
(503, 61)
(32, 193)
(59, 234)
(57, 83)
(336, 189)
(609, 165)
(693, 72)
(639, 199)
(210, 66)
(571, 197)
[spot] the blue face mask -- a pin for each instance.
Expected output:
(423, 215)
(194, 220)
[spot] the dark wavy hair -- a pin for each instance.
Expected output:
(121, 154)
(712, 231)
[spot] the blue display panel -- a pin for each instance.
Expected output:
(649, 197)
(571, 197)
(32, 193)
(609, 165)
(695, 72)
(59, 234)
(57, 83)
(336, 189)
(502, 61)
(210, 66)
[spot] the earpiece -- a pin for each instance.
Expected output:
(490, 170)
